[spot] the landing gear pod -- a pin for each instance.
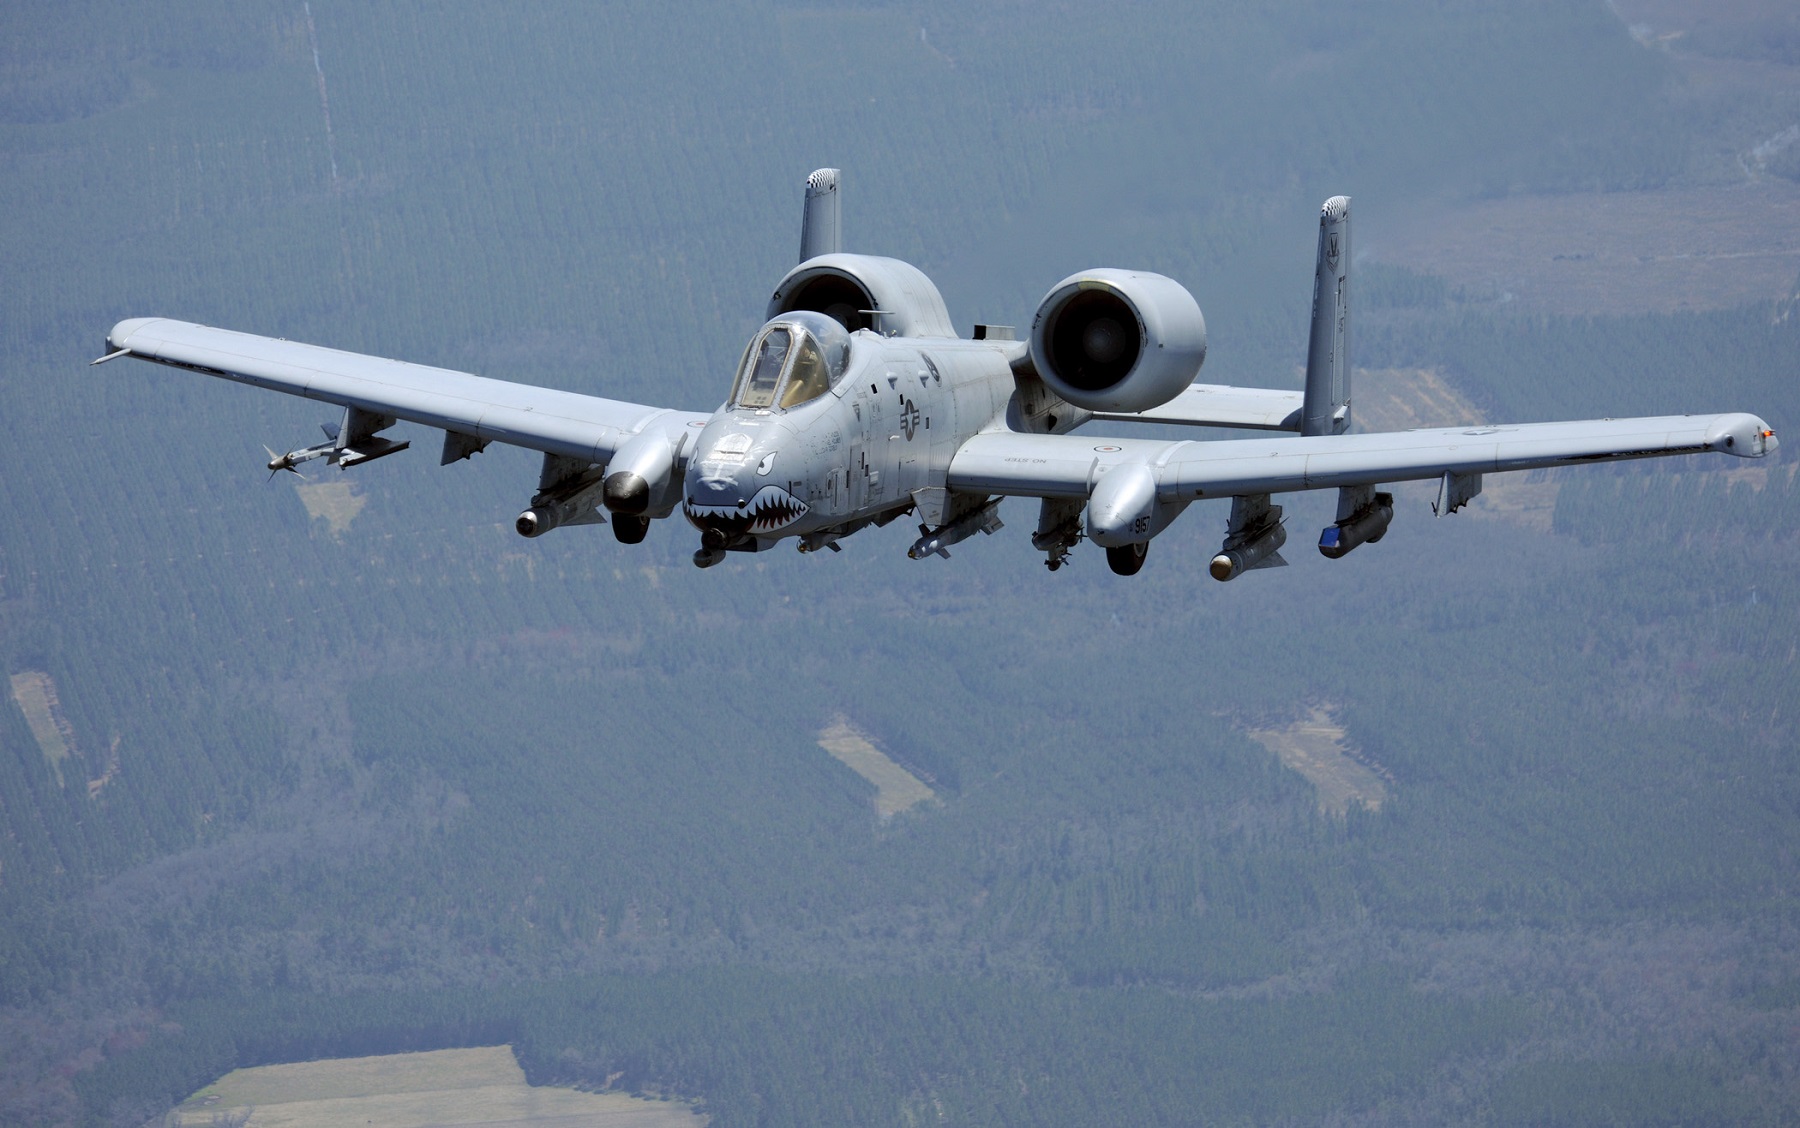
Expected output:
(629, 529)
(1127, 559)
(639, 478)
(1118, 340)
(1124, 513)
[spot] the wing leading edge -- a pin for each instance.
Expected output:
(566, 424)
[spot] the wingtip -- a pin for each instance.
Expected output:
(1746, 436)
(122, 332)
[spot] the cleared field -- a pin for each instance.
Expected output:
(335, 503)
(483, 1086)
(1314, 747)
(1614, 252)
(36, 695)
(1399, 399)
(896, 789)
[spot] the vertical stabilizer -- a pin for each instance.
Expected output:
(821, 230)
(1326, 410)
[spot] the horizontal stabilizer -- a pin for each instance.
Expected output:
(1219, 405)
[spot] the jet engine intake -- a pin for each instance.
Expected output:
(1118, 340)
(884, 295)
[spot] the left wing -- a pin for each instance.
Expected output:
(1070, 466)
(481, 410)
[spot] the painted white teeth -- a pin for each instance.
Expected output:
(772, 508)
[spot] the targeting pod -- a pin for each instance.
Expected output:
(1367, 525)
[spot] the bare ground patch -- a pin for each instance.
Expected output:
(1401, 399)
(1607, 253)
(1315, 747)
(335, 503)
(482, 1086)
(896, 789)
(35, 693)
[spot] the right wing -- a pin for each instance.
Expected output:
(1219, 405)
(566, 424)
(1070, 466)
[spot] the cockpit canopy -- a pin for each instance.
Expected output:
(791, 360)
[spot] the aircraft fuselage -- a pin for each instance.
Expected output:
(864, 453)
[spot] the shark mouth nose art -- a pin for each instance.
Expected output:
(772, 508)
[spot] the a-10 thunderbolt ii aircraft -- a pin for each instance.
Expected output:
(857, 403)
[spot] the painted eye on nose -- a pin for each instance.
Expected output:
(767, 464)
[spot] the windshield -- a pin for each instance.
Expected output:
(809, 380)
(793, 362)
(756, 387)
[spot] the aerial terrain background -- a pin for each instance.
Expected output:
(1497, 821)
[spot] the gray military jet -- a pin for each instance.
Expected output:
(857, 403)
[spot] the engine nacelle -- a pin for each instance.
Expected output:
(640, 474)
(865, 292)
(1118, 340)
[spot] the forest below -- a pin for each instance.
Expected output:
(275, 788)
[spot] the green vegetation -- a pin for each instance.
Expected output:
(415, 783)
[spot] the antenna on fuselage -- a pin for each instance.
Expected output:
(821, 228)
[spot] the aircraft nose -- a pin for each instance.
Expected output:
(716, 499)
(731, 485)
(716, 488)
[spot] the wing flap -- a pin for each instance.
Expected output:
(1220, 405)
(1068, 465)
(557, 422)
